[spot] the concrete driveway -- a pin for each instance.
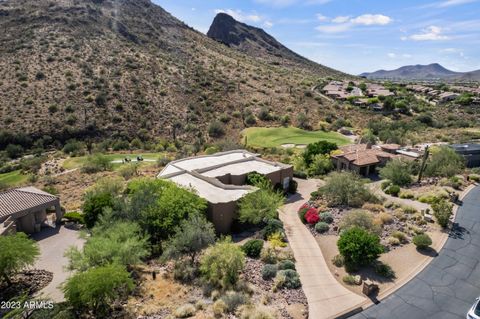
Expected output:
(53, 243)
(325, 295)
(448, 286)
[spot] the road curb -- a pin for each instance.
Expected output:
(363, 306)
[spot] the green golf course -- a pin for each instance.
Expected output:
(278, 136)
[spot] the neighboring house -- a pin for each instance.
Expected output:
(361, 158)
(220, 179)
(471, 153)
(447, 96)
(25, 210)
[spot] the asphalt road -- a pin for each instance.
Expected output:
(448, 286)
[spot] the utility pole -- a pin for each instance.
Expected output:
(424, 163)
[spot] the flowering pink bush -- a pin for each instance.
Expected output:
(306, 205)
(312, 216)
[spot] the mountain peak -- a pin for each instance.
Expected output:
(414, 72)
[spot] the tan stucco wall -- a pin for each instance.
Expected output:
(222, 216)
(26, 224)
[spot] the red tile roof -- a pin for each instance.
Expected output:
(19, 199)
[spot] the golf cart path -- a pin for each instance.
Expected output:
(448, 286)
(326, 296)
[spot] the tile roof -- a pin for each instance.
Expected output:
(361, 155)
(19, 199)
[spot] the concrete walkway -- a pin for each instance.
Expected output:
(326, 296)
(53, 243)
(448, 286)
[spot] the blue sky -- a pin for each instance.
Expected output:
(356, 35)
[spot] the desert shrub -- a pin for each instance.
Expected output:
(359, 218)
(256, 312)
(75, 217)
(97, 163)
(219, 308)
(259, 205)
(393, 241)
(322, 227)
(234, 299)
(454, 182)
(474, 177)
(287, 279)
(286, 264)
(402, 237)
(406, 194)
(349, 279)
(318, 148)
(384, 270)
(385, 218)
(185, 311)
(216, 129)
(222, 263)
(444, 162)
(409, 210)
(326, 217)
(17, 252)
(397, 171)
(268, 255)
(338, 260)
(128, 171)
(301, 214)
(346, 188)
(373, 207)
(359, 247)
(320, 165)
(272, 226)
(385, 184)
(97, 288)
(258, 180)
(94, 205)
(14, 151)
(311, 216)
(184, 271)
(422, 241)
(269, 271)
(393, 190)
(253, 248)
(276, 240)
(442, 211)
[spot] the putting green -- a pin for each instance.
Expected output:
(278, 136)
(76, 162)
(13, 179)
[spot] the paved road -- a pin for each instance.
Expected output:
(53, 243)
(447, 288)
(326, 296)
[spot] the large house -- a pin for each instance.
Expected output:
(25, 210)
(471, 153)
(363, 158)
(220, 179)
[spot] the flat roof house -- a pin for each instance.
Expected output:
(471, 153)
(220, 179)
(25, 209)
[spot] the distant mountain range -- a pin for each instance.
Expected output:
(432, 71)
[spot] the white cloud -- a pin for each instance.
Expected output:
(268, 24)
(451, 3)
(372, 19)
(341, 19)
(344, 23)
(432, 33)
(321, 17)
(392, 55)
(407, 56)
(241, 16)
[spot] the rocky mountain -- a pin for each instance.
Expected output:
(259, 44)
(414, 72)
(127, 68)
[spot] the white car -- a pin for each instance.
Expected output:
(474, 312)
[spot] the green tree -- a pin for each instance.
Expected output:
(257, 206)
(97, 163)
(98, 288)
(397, 171)
(94, 205)
(368, 137)
(159, 206)
(442, 210)
(258, 180)
(321, 164)
(222, 263)
(119, 242)
(321, 147)
(445, 162)
(192, 236)
(345, 188)
(359, 247)
(16, 252)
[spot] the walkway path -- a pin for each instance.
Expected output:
(448, 286)
(53, 243)
(326, 296)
